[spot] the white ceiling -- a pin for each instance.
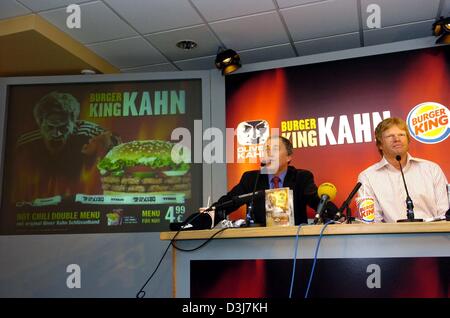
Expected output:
(140, 35)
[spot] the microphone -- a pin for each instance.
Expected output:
(347, 202)
(238, 200)
(326, 192)
(196, 221)
(202, 220)
(409, 202)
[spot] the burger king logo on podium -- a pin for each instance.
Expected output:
(429, 122)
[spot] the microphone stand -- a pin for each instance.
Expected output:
(346, 205)
(250, 217)
(409, 202)
(240, 199)
(349, 215)
(318, 219)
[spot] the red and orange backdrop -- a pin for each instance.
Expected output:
(330, 110)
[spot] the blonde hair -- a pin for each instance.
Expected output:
(385, 125)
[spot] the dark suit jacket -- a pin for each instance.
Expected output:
(300, 181)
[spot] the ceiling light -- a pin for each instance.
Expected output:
(187, 45)
(228, 61)
(441, 28)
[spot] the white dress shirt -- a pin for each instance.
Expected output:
(427, 187)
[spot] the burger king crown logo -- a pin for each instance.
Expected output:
(429, 122)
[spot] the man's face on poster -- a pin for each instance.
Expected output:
(56, 129)
(253, 132)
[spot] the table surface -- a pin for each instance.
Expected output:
(332, 229)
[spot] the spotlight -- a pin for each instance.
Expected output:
(228, 61)
(441, 28)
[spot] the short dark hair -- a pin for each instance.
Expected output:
(287, 143)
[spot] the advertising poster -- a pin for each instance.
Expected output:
(98, 157)
(329, 112)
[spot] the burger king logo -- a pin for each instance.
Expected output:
(429, 122)
(367, 211)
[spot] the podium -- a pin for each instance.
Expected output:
(354, 260)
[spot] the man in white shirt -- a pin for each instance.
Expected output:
(383, 181)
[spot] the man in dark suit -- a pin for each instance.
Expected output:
(277, 158)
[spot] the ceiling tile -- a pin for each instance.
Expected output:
(401, 11)
(398, 33)
(165, 67)
(251, 31)
(10, 8)
(166, 42)
(291, 3)
(149, 16)
(129, 52)
(40, 5)
(218, 10)
(251, 27)
(275, 52)
(203, 63)
(328, 44)
(321, 19)
(93, 29)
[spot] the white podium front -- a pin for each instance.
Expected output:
(354, 260)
